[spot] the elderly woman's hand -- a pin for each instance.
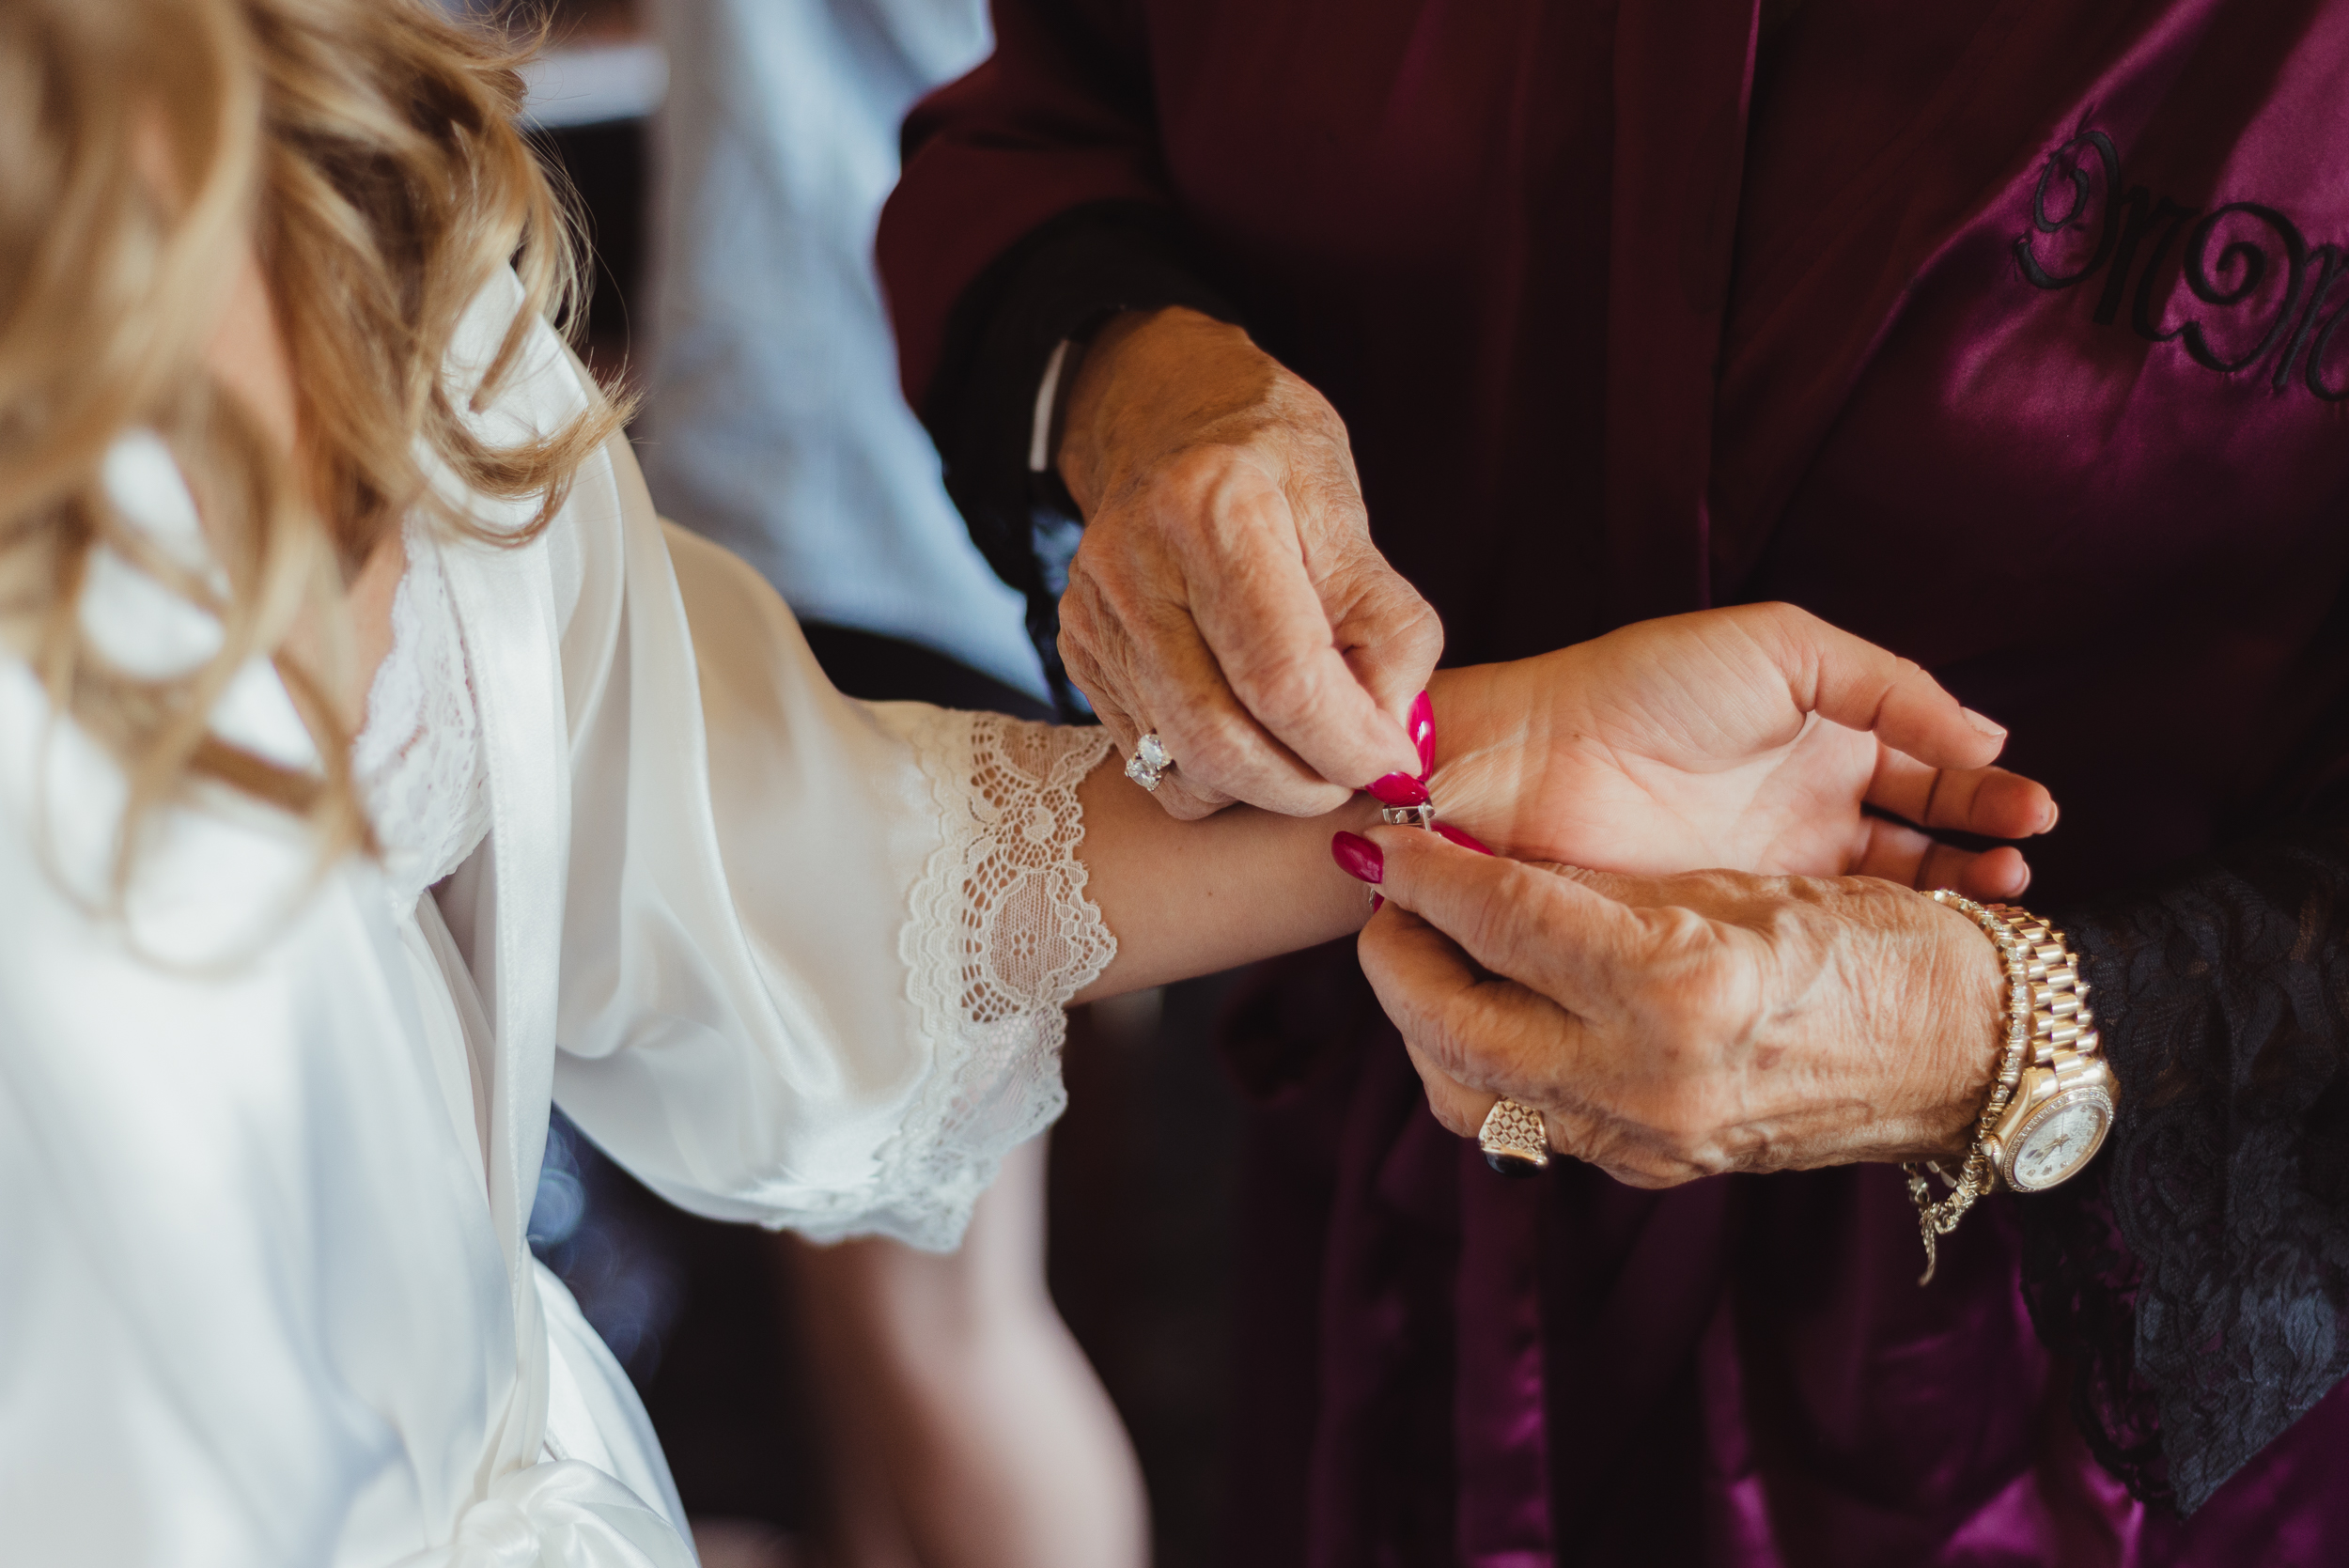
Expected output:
(1676, 1027)
(1226, 593)
(1759, 738)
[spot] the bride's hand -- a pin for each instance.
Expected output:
(1749, 738)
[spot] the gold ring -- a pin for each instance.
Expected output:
(1515, 1142)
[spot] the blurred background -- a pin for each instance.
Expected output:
(712, 1321)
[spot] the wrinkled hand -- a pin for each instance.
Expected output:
(1673, 1026)
(1677, 1027)
(1753, 738)
(1226, 593)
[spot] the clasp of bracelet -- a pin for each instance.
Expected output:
(1420, 816)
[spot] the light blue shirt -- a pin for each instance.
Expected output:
(775, 424)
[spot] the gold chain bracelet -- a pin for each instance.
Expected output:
(1977, 1175)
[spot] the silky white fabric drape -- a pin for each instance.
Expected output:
(265, 1296)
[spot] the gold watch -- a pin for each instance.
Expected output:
(2053, 1100)
(2062, 1103)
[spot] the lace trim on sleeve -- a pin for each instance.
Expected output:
(2200, 1284)
(1001, 936)
(2082, 1283)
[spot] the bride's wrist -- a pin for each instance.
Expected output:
(1476, 779)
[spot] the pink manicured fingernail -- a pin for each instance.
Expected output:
(1422, 725)
(1358, 858)
(1398, 789)
(1987, 726)
(1378, 902)
(1465, 841)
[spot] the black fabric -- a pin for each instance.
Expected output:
(2198, 1283)
(1059, 283)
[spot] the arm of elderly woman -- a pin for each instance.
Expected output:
(1673, 1027)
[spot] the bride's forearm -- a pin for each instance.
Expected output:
(1187, 898)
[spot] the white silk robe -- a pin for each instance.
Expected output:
(267, 1143)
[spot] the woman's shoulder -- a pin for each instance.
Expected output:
(543, 388)
(210, 863)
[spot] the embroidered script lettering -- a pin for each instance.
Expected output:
(2258, 291)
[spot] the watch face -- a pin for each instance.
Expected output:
(2060, 1139)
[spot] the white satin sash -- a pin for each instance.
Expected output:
(563, 1513)
(536, 1511)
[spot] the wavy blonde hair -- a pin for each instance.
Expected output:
(366, 149)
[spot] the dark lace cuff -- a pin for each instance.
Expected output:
(2200, 1282)
(2080, 1281)
(1058, 283)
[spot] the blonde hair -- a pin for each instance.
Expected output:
(367, 150)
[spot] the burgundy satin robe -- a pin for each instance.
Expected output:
(2000, 331)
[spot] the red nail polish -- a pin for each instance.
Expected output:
(1422, 725)
(1398, 789)
(1378, 902)
(1358, 858)
(1464, 840)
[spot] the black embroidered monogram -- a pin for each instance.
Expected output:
(2268, 293)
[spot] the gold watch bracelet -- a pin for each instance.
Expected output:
(2044, 1010)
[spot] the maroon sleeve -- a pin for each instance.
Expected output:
(2198, 1288)
(1032, 206)
(1058, 118)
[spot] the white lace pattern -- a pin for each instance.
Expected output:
(420, 763)
(1000, 933)
(1001, 936)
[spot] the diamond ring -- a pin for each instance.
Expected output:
(1150, 764)
(1514, 1140)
